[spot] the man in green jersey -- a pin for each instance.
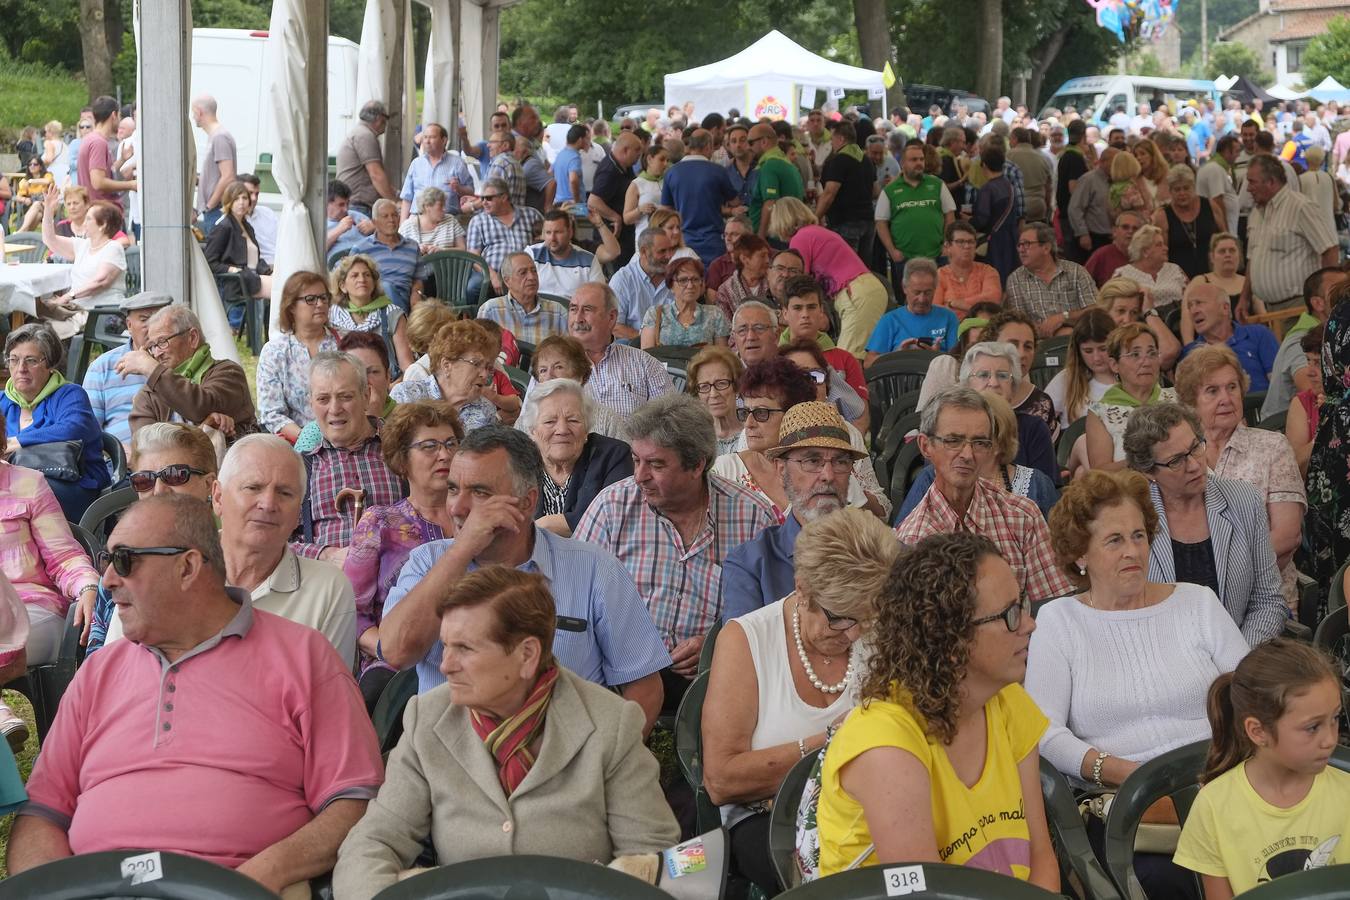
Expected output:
(913, 212)
(777, 178)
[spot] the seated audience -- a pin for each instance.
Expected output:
(1104, 261)
(279, 701)
(607, 634)
(1163, 282)
(13, 665)
(944, 371)
(98, 276)
(359, 305)
(805, 318)
(622, 377)
(1300, 425)
(184, 380)
(418, 442)
(1133, 354)
(1122, 666)
(509, 708)
(562, 356)
(1087, 374)
(423, 323)
(52, 416)
(1292, 371)
(724, 266)
(684, 321)
(232, 249)
(964, 281)
(283, 364)
(672, 525)
(1126, 302)
(768, 707)
(578, 463)
(994, 366)
(110, 394)
(1011, 327)
(918, 325)
(668, 221)
(396, 258)
(946, 737)
(640, 284)
(502, 227)
(1050, 291)
(1212, 531)
(1207, 310)
(1273, 723)
(521, 310)
(1187, 223)
(165, 458)
(1225, 258)
(463, 358)
(562, 265)
(429, 227)
(368, 349)
(956, 435)
(750, 279)
(77, 221)
(346, 465)
(345, 226)
(712, 377)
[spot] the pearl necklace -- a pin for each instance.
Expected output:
(806, 663)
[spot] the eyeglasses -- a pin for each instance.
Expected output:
(761, 413)
(25, 362)
(156, 346)
(986, 375)
(957, 442)
(124, 558)
(775, 267)
(836, 623)
(315, 299)
(1012, 616)
(1136, 355)
(1176, 463)
(431, 445)
(689, 282)
(743, 330)
(484, 364)
(812, 465)
(174, 476)
(720, 384)
(1022, 245)
(964, 242)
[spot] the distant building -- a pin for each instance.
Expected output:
(1280, 30)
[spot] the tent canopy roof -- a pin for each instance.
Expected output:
(777, 55)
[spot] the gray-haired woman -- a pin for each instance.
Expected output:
(578, 463)
(1163, 282)
(430, 227)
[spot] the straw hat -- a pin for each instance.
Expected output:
(813, 424)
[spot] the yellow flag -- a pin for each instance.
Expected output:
(888, 76)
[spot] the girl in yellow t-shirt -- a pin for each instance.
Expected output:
(1269, 805)
(940, 763)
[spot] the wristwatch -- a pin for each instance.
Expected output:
(1151, 312)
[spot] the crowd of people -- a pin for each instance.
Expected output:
(664, 430)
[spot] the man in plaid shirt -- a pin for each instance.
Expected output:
(672, 525)
(1053, 292)
(622, 377)
(956, 435)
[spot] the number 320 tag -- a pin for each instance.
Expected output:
(901, 880)
(146, 867)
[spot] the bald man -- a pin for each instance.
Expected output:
(219, 162)
(612, 177)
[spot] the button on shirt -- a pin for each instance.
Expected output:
(1256, 349)
(620, 644)
(423, 173)
(263, 720)
(1285, 242)
(626, 377)
(1071, 288)
(760, 571)
(111, 395)
(561, 276)
(548, 317)
(682, 585)
(1014, 524)
(637, 294)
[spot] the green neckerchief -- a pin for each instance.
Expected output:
(822, 339)
(1073, 148)
(375, 305)
(852, 151)
(1117, 396)
(773, 153)
(943, 151)
(389, 405)
(647, 176)
(54, 381)
(195, 366)
(1305, 322)
(1223, 163)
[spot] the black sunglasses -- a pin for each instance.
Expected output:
(124, 558)
(761, 414)
(174, 476)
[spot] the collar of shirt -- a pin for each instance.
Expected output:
(238, 626)
(284, 579)
(519, 308)
(325, 444)
(946, 517)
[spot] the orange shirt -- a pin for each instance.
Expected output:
(959, 297)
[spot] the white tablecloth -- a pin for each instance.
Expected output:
(21, 285)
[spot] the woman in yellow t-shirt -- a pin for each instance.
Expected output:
(940, 763)
(1270, 804)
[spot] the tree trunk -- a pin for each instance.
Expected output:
(1042, 58)
(874, 44)
(989, 70)
(94, 48)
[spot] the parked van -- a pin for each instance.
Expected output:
(230, 64)
(1096, 97)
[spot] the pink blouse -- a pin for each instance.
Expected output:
(828, 257)
(38, 554)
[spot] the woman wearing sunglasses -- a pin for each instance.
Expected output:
(166, 458)
(940, 762)
(283, 364)
(1093, 666)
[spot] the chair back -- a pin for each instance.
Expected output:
(904, 471)
(689, 750)
(520, 379)
(105, 327)
(36, 252)
(1323, 883)
(1069, 835)
(1336, 591)
(1067, 438)
(1049, 361)
(674, 354)
(900, 406)
(895, 374)
(887, 447)
(133, 255)
(336, 257)
(526, 354)
(522, 877)
(1173, 774)
(116, 455)
(1251, 407)
(1274, 422)
(388, 715)
(101, 515)
(98, 875)
(783, 821)
(931, 881)
(453, 269)
(705, 656)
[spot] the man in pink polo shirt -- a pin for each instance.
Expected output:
(214, 730)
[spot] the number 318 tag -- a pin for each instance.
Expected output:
(146, 867)
(901, 880)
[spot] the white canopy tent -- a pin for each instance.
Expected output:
(767, 78)
(1329, 89)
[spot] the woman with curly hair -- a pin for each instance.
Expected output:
(940, 763)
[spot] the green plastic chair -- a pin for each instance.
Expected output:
(941, 882)
(453, 269)
(1067, 438)
(98, 518)
(36, 254)
(900, 407)
(388, 715)
(45, 685)
(97, 875)
(783, 821)
(1336, 590)
(520, 379)
(689, 751)
(1069, 835)
(133, 255)
(522, 877)
(905, 469)
(894, 375)
(1326, 883)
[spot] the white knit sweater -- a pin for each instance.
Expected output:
(1132, 683)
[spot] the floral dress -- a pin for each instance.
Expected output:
(709, 324)
(1326, 528)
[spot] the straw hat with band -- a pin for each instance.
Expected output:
(814, 424)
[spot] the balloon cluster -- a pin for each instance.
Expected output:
(1147, 19)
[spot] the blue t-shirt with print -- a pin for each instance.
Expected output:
(899, 325)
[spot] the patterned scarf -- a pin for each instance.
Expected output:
(54, 381)
(194, 367)
(509, 740)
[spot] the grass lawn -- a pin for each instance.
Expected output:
(19, 703)
(31, 94)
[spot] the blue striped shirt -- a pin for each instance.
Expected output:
(111, 394)
(399, 266)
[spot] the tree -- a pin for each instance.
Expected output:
(1328, 54)
(95, 48)
(874, 41)
(1237, 60)
(989, 62)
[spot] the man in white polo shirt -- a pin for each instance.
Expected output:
(563, 266)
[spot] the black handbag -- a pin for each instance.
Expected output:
(61, 460)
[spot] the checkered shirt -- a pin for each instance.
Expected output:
(1072, 288)
(1013, 523)
(330, 470)
(508, 169)
(548, 317)
(495, 241)
(626, 377)
(682, 586)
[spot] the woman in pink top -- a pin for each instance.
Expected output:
(964, 281)
(13, 662)
(859, 296)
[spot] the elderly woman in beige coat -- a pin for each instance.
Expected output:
(513, 755)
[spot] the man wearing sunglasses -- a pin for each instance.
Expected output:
(111, 394)
(956, 434)
(252, 716)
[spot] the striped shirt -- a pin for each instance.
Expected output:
(626, 377)
(399, 266)
(1285, 242)
(508, 169)
(1070, 289)
(111, 394)
(562, 276)
(548, 317)
(495, 240)
(681, 585)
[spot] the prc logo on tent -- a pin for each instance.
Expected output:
(772, 107)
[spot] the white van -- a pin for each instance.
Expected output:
(230, 64)
(1096, 97)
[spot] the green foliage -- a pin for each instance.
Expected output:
(1146, 62)
(1236, 59)
(41, 31)
(32, 94)
(1222, 14)
(1328, 54)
